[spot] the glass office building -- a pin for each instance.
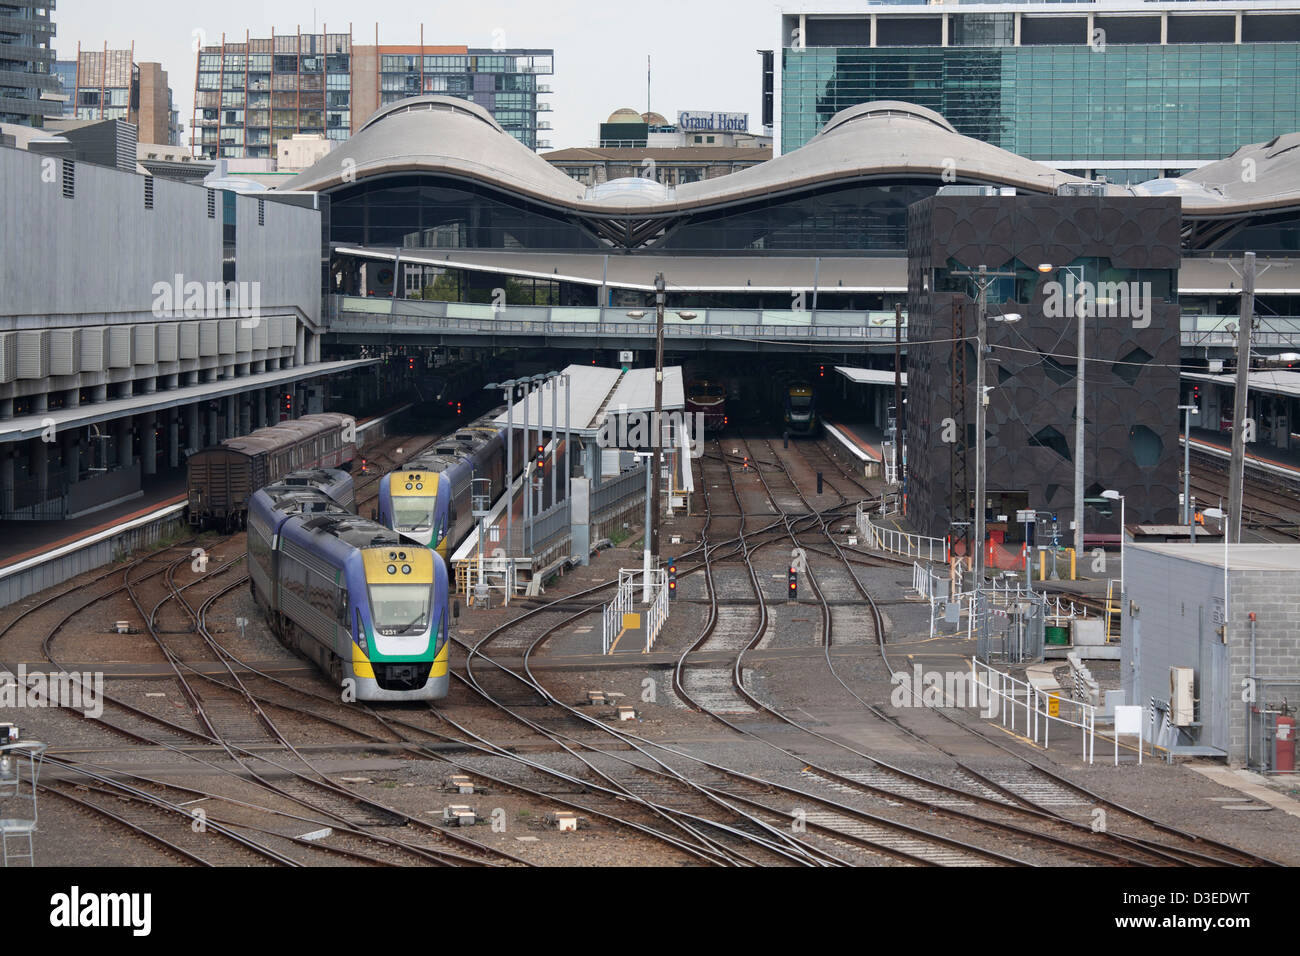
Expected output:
(26, 63)
(249, 95)
(1130, 91)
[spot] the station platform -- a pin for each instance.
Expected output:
(862, 441)
(21, 540)
(1281, 462)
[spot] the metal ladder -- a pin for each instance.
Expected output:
(1113, 611)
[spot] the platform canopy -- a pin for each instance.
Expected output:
(869, 376)
(1275, 381)
(597, 392)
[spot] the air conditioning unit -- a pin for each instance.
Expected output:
(1081, 189)
(1182, 707)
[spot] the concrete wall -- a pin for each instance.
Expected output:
(1179, 603)
(1274, 598)
(1180, 608)
(98, 255)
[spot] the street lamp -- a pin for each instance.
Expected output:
(509, 387)
(1188, 411)
(656, 426)
(1116, 496)
(1222, 517)
(1079, 378)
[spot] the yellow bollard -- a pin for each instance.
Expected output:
(1072, 568)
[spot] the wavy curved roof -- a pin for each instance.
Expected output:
(437, 134)
(886, 139)
(1258, 177)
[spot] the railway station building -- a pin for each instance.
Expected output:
(1122, 255)
(141, 317)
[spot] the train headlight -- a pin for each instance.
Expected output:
(406, 569)
(408, 486)
(419, 486)
(392, 569)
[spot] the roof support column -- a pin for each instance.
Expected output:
(943, 37)
(173, 439)
(873, 30)
(1016, 38)
(149, 443)
(71, 458)
(1236, 27)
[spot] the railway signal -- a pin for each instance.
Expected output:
(541, 461)
(794, 583)
(672, 579)
(288, 403)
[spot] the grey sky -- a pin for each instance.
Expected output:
(702, 50)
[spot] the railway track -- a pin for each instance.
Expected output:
(1032, 790)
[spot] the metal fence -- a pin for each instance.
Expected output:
(631, 581)
(612, 491)
(900, 542)
(1009, 624)
(34, 499)
(370, 313)
(1031, 711)
(1274, 698)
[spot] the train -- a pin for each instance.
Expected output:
(800, 405)
(223, 478)
(364, 605)
(710, 400)
(333, 482)
(427, 499)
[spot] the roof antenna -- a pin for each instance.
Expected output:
(647, 84)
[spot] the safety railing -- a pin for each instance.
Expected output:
(1031, 711)
(927, 583)
(632, 582)
(360, 313)
(898, 542)
(612, 616)
(614, 490)
(657, 615)
(549, 526)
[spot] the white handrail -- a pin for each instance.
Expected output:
(901, 542)
(1036, 706)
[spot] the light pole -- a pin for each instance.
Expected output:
(568, 408)
(538, 380)
(1221, 516)
(656, 422)
(983, 278)
(645, 559)
(1237, 466)
(1113, 495)
(1080, 310)
(1188, 411)
(555, 422)
(509, 388)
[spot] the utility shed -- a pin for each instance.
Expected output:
(1177, 617)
